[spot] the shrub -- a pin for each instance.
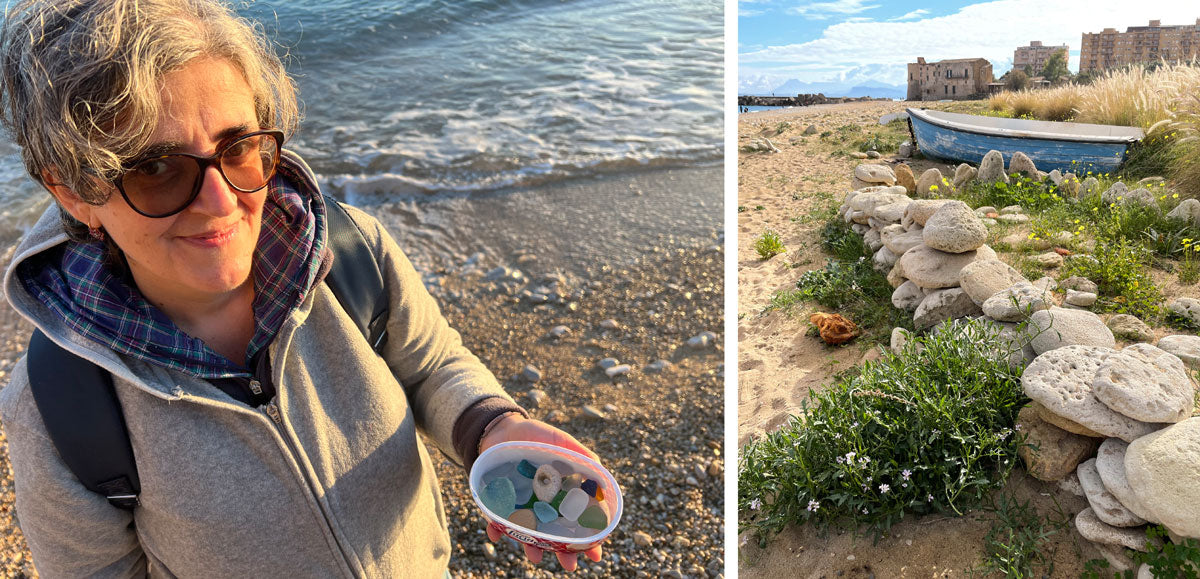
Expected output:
(768, 244)
(1180, 560)
(927, 430)
(1029, 194)
(1119, 269)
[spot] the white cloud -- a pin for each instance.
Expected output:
(991, 30)
(825, 10)
(910, 16)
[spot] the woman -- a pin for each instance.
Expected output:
(186, 257)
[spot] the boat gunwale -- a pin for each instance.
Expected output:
(923, 115)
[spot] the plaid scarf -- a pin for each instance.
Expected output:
(75, 283)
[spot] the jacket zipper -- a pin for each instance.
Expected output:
(271, 409)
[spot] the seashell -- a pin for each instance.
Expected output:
(546, 483)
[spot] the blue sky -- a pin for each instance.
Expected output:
(855, 41)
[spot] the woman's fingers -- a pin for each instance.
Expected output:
(534, 554)
(567, 560)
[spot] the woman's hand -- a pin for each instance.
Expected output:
(517, 427)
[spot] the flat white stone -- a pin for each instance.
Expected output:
(1162, 469)
(1061, 380)
(1097, 531)
(1187, 348)
(1106, 506)
(1145, 383)
(1110, 465)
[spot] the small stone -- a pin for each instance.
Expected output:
(1145, 383)
(905, 177)
(546, 483)
(1046, 283)
(1186, 348)
(531, 374)
(537, 397)
(499, 497)
(1097, 531)
(657, 366)
(1052, 453)
(592, 412)
(1021, 163)
(1048, 260)
(1187, 308)
(524, 518)
(607, 363)
(573, 504)
(593, 517)
(559, 331)
(991, 168)
(545, 513)
(698, 342)
(1106, 506)
(618, 370)
(641, 538)
(610, 324)
(526, 468)
(1016, 303)
(1082, 299)
(1130, 328)
(932, 184)
(1078, 283)
(590, 487)
(489, 550)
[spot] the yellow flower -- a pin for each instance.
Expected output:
(1175, 196)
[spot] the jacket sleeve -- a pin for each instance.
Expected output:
(441, 377)
(71, 531)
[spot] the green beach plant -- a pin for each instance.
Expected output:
(768, 244)
(929, 430)
(1017, 543)
(1119, 268)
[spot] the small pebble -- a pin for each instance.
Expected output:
(658, 366)
(592, 412)
(642, 539)
(607, 363)
(618, 370)
(610, 324)
(559, 331)
(537, 397)
(531, 374)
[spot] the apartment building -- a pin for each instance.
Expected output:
(1035, 55)
(1109, 48)
(959, 78)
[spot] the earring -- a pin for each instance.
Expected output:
(96, 233)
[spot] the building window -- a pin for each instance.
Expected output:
(967, 73)
(954, 89)
(946, 89)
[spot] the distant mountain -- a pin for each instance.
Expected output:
(831, 89)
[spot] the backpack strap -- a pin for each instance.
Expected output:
(79, 405)
(355, 277)
(84, 420)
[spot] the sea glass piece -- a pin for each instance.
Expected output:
(573, 504)
(504, 470)
(590, 487)
(593, 517)
(524, 518)
(555, 527)
(599, 494)
(546, 483)
(545, 513)
(526, 468)
(563, 468)
(558, 499)
(499, 497)
(572, 481)
(524, 488)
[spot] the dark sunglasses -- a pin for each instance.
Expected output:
(163, 185)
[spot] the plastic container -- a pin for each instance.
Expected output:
(540, 453)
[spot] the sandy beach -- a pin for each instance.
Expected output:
(601, 253)
(778, 365)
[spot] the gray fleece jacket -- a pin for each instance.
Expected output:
(328, 480)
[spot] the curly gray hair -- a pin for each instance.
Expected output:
(80, 79)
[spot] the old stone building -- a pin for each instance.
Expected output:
(1035, 56)
(959, 78)
(1109, 48)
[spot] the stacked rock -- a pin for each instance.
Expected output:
(1136, 406)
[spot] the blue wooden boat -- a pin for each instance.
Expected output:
(1077, 147)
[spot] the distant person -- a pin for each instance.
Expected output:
(186, 256)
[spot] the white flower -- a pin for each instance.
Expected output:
(755, 504)
(905, 474)
(813, 506)
(884, 488)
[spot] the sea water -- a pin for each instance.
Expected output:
(404, 100)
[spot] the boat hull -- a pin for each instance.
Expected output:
(1048, 154)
